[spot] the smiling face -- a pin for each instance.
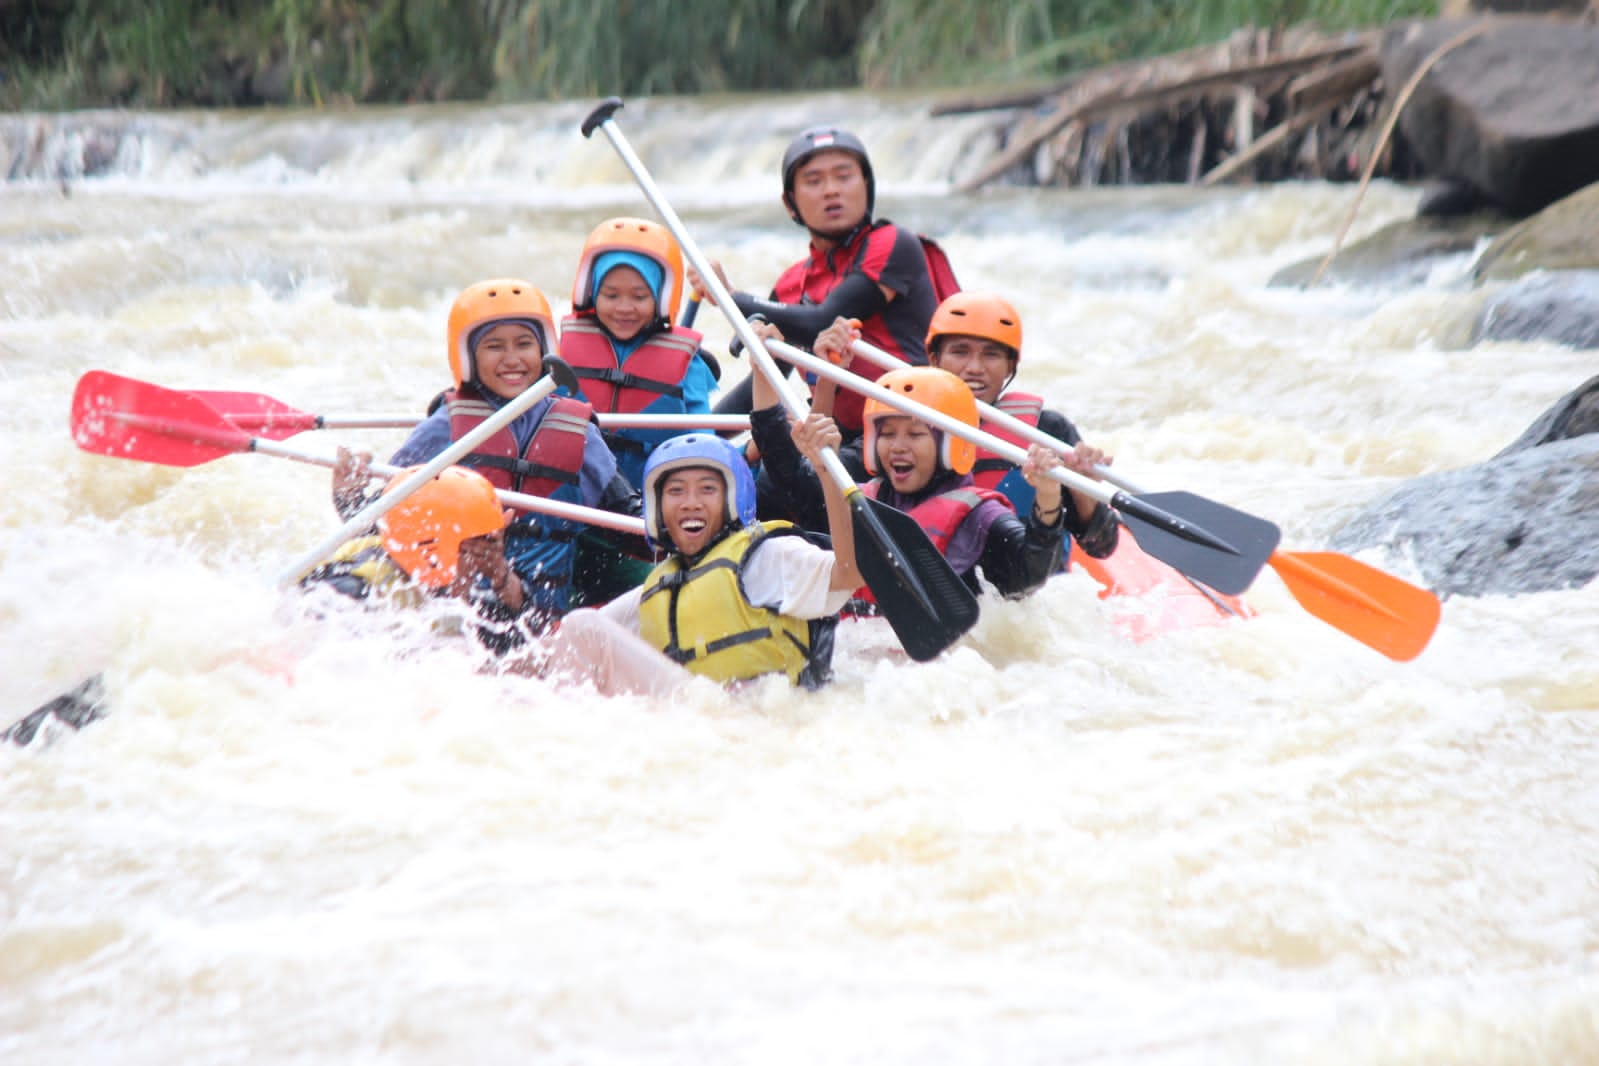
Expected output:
(693, 507)
(624, 302)
(508, 359)
(984, 365)
(830, 193)
(907, 452)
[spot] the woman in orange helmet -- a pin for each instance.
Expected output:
(926, 473)
(498, 334)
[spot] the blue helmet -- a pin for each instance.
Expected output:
(705, 450)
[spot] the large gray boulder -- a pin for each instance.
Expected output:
(1400, 253)
(1576, 415)
(1560, 306)
(1513, 113)
(1526, 520)
(1563, 236)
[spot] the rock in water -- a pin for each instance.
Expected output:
(1526, 520)
(1514, 113)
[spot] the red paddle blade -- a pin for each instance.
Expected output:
(1376, 608)
(131, 419)
(258, 414)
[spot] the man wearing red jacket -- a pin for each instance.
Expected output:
(872, 271)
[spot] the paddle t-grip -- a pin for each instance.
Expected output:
(561, 372)
(601, 114)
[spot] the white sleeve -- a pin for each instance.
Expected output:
(624, 609)
(792, 576)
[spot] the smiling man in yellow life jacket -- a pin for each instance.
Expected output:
(735, 598)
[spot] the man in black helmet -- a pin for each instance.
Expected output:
(876, 271)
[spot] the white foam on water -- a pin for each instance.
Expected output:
(315, 839)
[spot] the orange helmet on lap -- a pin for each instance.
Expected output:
(423, 532)
(930, 387)
(635, 236)
(499, 300)
(977, 314)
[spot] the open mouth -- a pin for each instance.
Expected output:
(692, 526)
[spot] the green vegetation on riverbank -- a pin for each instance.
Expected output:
(61, 54)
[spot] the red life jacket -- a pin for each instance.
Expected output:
(553, 457)
(990, 469)
(811, 280)
(939, 516)
(654, 369)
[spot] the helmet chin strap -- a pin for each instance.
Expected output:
(864, 223)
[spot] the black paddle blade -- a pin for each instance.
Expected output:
(76, 708)
(1210, 542)
(924, 600)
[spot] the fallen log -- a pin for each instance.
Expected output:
(1267, 142)
(1154, 84)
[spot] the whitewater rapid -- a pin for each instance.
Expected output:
(302, 838)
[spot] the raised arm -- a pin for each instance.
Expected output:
(812, 435)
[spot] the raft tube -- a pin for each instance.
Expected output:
(1149, 597)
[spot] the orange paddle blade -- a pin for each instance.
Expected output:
(1376, 608)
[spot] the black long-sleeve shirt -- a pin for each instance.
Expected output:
(1097, 536)
(1018, 554)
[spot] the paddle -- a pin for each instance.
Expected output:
(76, 709)
(1376, 608)
(1208, 541)
(132, 419)
(916, 589)
(267, 417)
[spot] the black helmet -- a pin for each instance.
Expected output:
(823, 139)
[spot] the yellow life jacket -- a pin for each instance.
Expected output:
(701, 617)
(361, 569)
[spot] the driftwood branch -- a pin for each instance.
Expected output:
(1246, 69)
(1267, 143)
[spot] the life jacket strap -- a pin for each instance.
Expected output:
(522, 468)
(621, 379)
(688, 655)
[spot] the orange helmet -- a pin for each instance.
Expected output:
(641, 237)
(977, 314)
(495, 301)
(935, 388)
(423, 532)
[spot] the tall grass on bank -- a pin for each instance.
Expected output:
(564, 48)
(154, 53)
(978, 42)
